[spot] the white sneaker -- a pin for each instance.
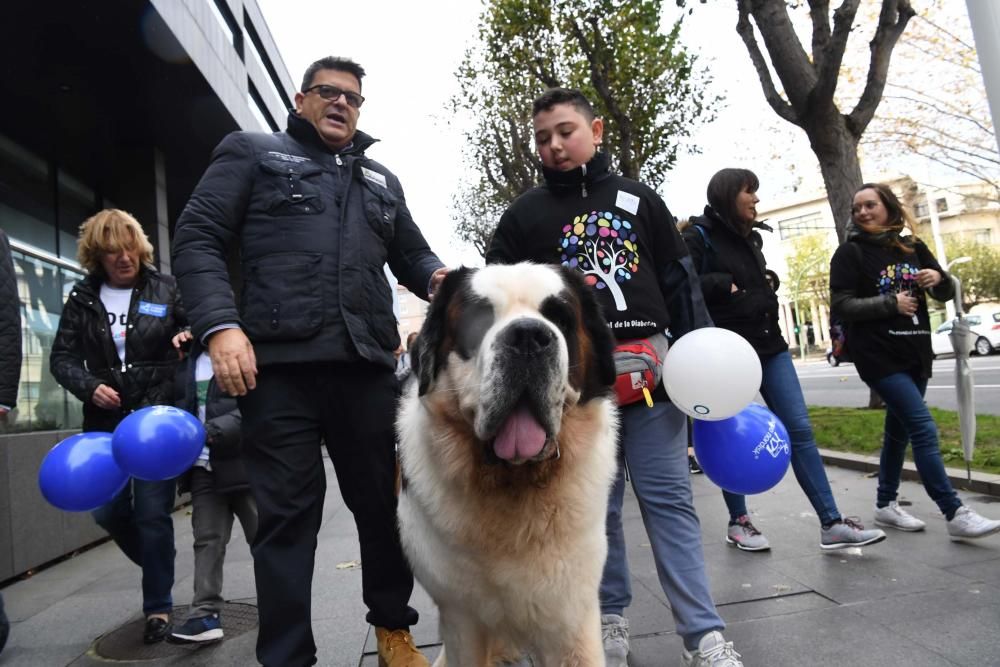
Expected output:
(713, 651)
(894, 516)
(967, 523)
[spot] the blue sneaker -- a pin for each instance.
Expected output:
(196, 630)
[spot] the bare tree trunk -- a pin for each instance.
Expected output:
(836, 148)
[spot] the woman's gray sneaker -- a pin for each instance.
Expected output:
(848, 532)
(745, 536)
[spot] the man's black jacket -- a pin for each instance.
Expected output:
(84, 355)
(728, 259)
(314, 230)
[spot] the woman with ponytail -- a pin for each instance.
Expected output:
(879, 279)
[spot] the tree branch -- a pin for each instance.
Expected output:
(892, 21)
(771, 94)
(828, 65)
(599, 79)
(819, 12)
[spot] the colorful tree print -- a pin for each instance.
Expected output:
(896, 278)
(603, 248)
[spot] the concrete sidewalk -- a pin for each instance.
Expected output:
(916, 599)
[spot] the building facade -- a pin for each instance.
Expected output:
(119, 104)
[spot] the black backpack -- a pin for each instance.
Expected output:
(838, 328)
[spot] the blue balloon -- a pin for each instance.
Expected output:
(79, 474)
(157, 443)
(747, 453)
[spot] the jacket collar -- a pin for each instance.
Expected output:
(585, 175)
(714, 219)
(92, 281)
(304, 132)
(884, 239)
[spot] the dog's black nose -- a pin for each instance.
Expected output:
(527, 336)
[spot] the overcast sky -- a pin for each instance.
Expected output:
(411, 50)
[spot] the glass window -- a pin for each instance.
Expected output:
(42, 404)
(226, 21)
(975, 202)
(77, 202)
(801, 225)
(257, 50)
(27, 211)
(984, 236)
(259, 110)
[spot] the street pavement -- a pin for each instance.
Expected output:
(917, 599)
(825, 385)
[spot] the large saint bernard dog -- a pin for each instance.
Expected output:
(507, 442)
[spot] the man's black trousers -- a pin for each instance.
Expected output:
(350, 407)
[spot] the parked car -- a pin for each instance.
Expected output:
(985, 327)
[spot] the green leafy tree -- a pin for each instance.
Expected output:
(809, 269)
(645, 85)
(981, 276)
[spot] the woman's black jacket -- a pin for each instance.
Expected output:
(724, 258)
(84, 355)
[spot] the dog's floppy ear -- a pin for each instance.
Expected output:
(428, 358)
(601, 369)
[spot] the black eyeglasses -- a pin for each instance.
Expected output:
(332, 92)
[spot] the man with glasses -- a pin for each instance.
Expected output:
(309, 348)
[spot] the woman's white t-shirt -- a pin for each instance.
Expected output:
(116, 302)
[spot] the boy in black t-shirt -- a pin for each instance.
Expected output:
(619, 234)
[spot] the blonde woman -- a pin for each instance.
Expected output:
(115, 350)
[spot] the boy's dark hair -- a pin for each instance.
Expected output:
(554, 96)
(725, 186)
(332, 62)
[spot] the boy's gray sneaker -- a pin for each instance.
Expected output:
(745, 536)
(713, 651)
(848, 532)
(614, 632)
(896, 517)
(967, 523)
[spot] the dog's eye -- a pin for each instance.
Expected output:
(476, 319)
(560, 313)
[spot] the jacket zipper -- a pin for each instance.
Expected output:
(583, 183)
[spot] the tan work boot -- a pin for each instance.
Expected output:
(396, 649)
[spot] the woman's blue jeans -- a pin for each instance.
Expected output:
(783, 396)
(138, 520)
(907, 419)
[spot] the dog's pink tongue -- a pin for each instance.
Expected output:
(520, 437)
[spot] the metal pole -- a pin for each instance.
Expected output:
(984, 15)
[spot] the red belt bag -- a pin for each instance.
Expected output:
(639, 368)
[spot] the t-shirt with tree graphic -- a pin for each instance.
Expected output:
(615, 231)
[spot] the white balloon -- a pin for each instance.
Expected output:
(711, 373)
